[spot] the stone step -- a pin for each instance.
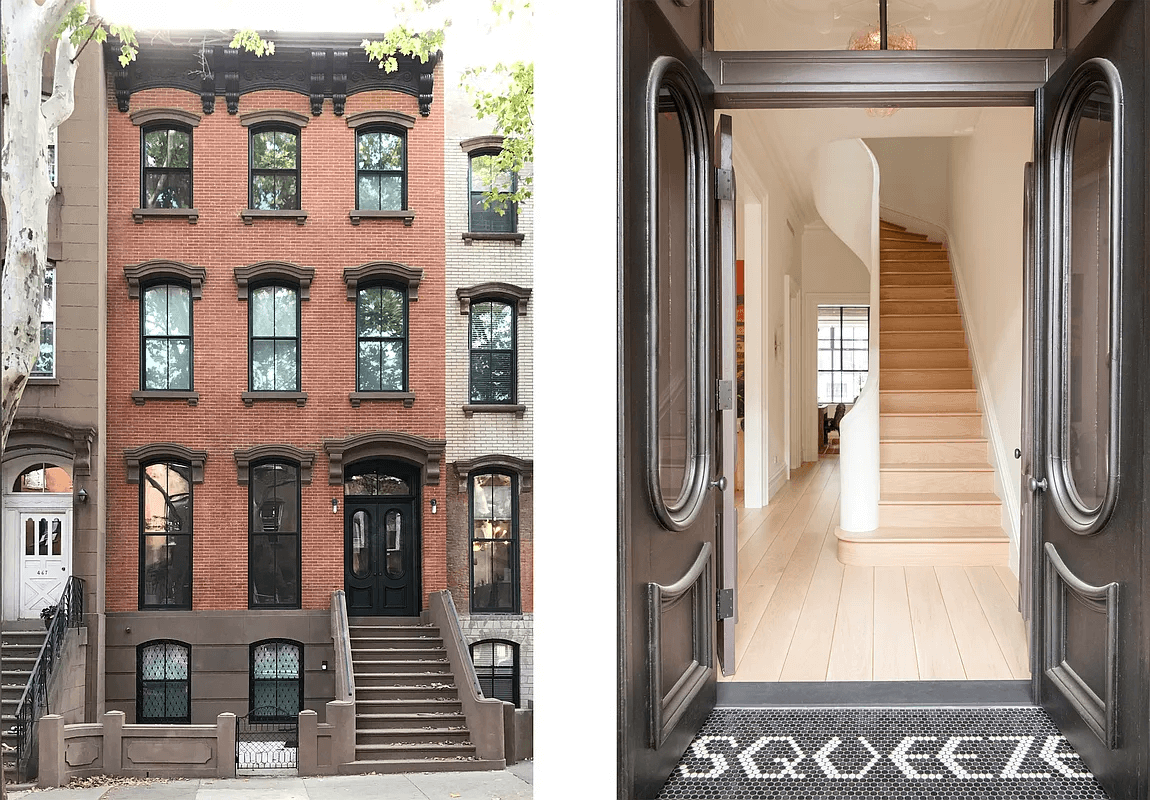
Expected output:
(367, 680)
(391, 642)
(392, 752)
(392, 631)
(399, 766)
(374, 654)
(411, 735)
(369, 665)
(403, 692)
(407, 706)
(420, 720)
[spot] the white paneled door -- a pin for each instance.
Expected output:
(43, 537)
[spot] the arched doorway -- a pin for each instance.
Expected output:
(382, 538)
(37, 539)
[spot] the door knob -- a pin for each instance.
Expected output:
(720, 483)
(1036, 486)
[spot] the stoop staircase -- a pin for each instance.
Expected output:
(408, 717)
(20, 644)
(936, 504)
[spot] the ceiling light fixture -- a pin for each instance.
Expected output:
(882, 37)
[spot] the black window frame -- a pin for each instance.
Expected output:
(298, 332)
(252, 708)
(394, 130)
(145, 170)
(253, 171)
(406, 338)
(144, 337)
(512, 207)
(166, 720)
(513, 555)
(836, 350)
(144, 478)
(512, 309)
(297, 533)
(481, 673)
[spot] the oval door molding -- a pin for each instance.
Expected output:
(1079, 104)
(670, 89)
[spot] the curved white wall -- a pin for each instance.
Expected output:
(845, 181)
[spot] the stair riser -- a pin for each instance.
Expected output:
(417, 723)
(897, 254)
(901, 402)
(920, 322)
(906, 554)
(948, 516)
(408, 707)
(932, 452)
(410, 737)
(919, 307)
(938, 358)
(413, 632)
(404, 693)
(928, 340)
(407, 753)
(397, 655)
(362, 767)
(898, 278)
(367, 682)
(887, 237)
(926, 379)
(931, 426)
(896, 293)
(395, 644)
(900, 481)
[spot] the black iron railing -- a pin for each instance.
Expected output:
(267, 739)
(34, 702)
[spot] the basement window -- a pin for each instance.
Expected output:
(843, 352)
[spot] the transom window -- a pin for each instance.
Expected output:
(380, 170)
(273, 541)
(166, 337)
(497, 667)
(276, 680)
(492, 339)
(844, 352)
(275, 172)
(381, 339)
(274, 318)
(494, 543)
(488, 217)
(163, 689)
(166, 156)
(373, 478)
(45, 366)
(44, 478)
(166, 536)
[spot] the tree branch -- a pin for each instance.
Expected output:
(59, 106)
(52, 13)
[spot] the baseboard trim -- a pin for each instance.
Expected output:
(864, 694)
(778, 480)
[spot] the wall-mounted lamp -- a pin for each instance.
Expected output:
(82, 495)
(323, 666)
(335, 505)
(434, 506)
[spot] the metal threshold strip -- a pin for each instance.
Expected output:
(875, 694)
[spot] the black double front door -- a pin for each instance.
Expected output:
(380, 559)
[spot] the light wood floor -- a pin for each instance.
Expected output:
(803, 616)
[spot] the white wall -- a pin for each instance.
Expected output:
(915, 176)
(986, 250)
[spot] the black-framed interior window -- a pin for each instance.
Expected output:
(381, 339)
(492, 345)
(273, 540)
(273, 319)
(497, 667)
(380, 170)
(494, 543)
(274, 160)
(166, 535)
(166, 337)
(276, 678)
(166, 166)
(844, 352)
(163, 682)
(490, 217)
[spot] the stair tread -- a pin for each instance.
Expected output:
(940, 467)
(932, 534)
(924, 369)
(942, 439)
(930, 414)
(413, 715)
(925, 391)
(415, 746)
(939, 498)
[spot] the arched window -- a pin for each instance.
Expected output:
(166, 535)
(274, 346)
(494, 543)
(375, 479)
(163, 682)
(492, 345)
(273, 540)
(275, 173)
(276, 680)
(166, 166)
(487, 217)
(166, 338)
(497, 667)
(44, 478)
(381, 170)
(381, 338)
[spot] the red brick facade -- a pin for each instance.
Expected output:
(220, 423)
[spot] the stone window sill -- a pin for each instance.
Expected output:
(142, 396)
(356, 398)
(407, 215)
(249, 398)
(495, 408)
(43, 381)
(481, 236)
(251, 214)
(192, 215)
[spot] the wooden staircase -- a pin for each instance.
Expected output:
(936, 486)
(408, 717)
(20, 644)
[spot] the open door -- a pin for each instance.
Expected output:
(677, 396)
(1091, 373)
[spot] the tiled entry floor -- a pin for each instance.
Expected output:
(900, 753)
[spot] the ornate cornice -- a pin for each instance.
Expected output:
(381, 118)
(478, 143)
(523, 467)
(278, 452)
(383, 270)
(159, 269)
(39, 435)
(280, 115)
(424, 453)
(146, 116)
(274, 270)
(159, 451)
(508, 292)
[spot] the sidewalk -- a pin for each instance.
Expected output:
(513, 783)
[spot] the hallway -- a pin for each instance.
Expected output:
(803, 616)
